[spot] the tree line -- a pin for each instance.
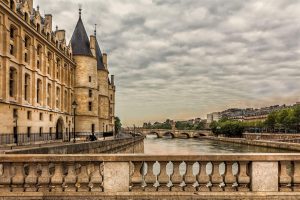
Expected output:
(180, 125)
(283, 121)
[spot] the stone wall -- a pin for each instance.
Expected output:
(270, 136)
(128, 145)
(262, 143)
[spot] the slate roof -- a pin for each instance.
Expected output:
(100, 64)
(80, 41)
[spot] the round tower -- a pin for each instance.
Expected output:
(86, 81)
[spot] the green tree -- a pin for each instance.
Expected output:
(118, 125)
(271, 121)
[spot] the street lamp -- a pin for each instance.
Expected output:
(16, 128)
(103, 131)
(74, 106)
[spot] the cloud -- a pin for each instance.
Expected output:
(183, 58)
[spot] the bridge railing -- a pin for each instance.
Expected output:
(145, 173)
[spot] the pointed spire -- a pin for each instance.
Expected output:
(80, 10)
(80, 42)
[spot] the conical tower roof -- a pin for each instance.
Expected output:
(99, 57)
(80, 41)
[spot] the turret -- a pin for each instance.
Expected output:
(86, 84)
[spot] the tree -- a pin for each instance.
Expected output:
(118, 125)
(271, 121)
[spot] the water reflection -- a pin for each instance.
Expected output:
(162, 146)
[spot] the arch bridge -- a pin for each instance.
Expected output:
(160, 133)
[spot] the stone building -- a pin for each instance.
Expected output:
(41, 76)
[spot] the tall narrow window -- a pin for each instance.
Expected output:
(90, 79)
(66, 100)
(49, 95)
(57, 97)
(13, 33)
(12, 82)
(12, 4)
(39, 91)
(90, 106)
(27, 87)
(39, 56)
(49, 63)
(90, 93)
(27, 49)
(58, 68)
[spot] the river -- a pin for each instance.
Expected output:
(159, 146)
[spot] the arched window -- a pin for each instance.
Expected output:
(27, 87)
(39, 91)
(49, 95)
(12, 82)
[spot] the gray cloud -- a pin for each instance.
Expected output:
(183, 58)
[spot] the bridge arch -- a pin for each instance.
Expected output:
(151, 133)
(199, 134)
(166, 134)
(185, 134)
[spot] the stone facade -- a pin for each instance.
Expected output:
(40, 77)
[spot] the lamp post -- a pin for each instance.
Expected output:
(74, 106)
(16, 128)
(103, 131)
(133, 139)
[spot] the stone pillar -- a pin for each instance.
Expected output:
(264, 177)
(116, 177)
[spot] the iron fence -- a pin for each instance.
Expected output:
(23, 138)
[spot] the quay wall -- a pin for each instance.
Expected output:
(262, 143)
(127, 145)
(270, 136)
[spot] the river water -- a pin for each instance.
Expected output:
(159, 146)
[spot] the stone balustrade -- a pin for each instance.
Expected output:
(136, 174)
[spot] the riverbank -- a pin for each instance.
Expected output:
(261, 143)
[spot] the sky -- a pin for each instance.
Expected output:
(181, 59)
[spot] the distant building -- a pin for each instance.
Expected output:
(213, 117)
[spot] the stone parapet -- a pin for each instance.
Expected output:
(120, 176)
(126, 145)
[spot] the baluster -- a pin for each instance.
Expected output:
(83, 179)
(176, 177)
(216, 178)
(5, 178)
(150, 179)
(296, 177)
(285, 181)
(137, 178)
(31, 179)
(189, 177)
(230, 179)
(163, 177)
(57, 178)
(18, 178)
(71, 178)
(204, 178)
(243, 178)
(44, 178)
(96, 179)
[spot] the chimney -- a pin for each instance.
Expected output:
(61, 35)
(48, 20)
(30, 5)
(112, 79)
(104, 57)
(93, 44)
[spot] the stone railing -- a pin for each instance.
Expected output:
(99, 174)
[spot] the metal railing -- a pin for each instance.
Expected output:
(23, 138)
